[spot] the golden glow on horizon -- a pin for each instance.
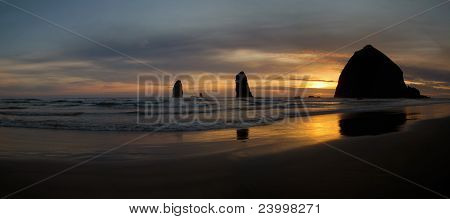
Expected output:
(262, 69)
(321, 85)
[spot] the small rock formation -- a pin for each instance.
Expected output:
(177, 91)
(242, 88)
(242, 134)
(371, 74)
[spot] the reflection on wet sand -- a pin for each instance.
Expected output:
(320, 128)
(298, 132)
(287, 135)
(371, 123)
(242, 134)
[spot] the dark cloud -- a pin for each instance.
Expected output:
(193, 36)
(426, 74)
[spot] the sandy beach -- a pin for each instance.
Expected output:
(393, 153)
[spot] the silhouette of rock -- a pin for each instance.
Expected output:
(242, 88)
(371, 74)
(177, 91)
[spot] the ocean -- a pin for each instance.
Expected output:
(186, 114)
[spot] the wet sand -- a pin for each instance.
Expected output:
(291, 159)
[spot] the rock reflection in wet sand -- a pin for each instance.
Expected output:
(371, 123)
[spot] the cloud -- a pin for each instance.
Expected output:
(213, 37)
(426, 74)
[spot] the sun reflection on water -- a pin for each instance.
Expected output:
(275, 138)
(320, 128)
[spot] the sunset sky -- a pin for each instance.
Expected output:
(289, 37)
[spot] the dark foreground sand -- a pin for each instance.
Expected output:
(277, 161)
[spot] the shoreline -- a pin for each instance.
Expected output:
(315, 129)
(271, 162)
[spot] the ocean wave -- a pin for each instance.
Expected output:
(13, 107)
(66, 101)
(13, 100)
(107, 104)
(121, 114)
(157, 127)
(20, 113)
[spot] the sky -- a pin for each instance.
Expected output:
(98, 48)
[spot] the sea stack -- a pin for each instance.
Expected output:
(177, 91)
(242, 88)
(371, 74)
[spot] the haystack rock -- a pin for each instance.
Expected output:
(242, 88)
(177, 91)
(371, 74)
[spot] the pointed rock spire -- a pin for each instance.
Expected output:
(242, 88)
(177, 91)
